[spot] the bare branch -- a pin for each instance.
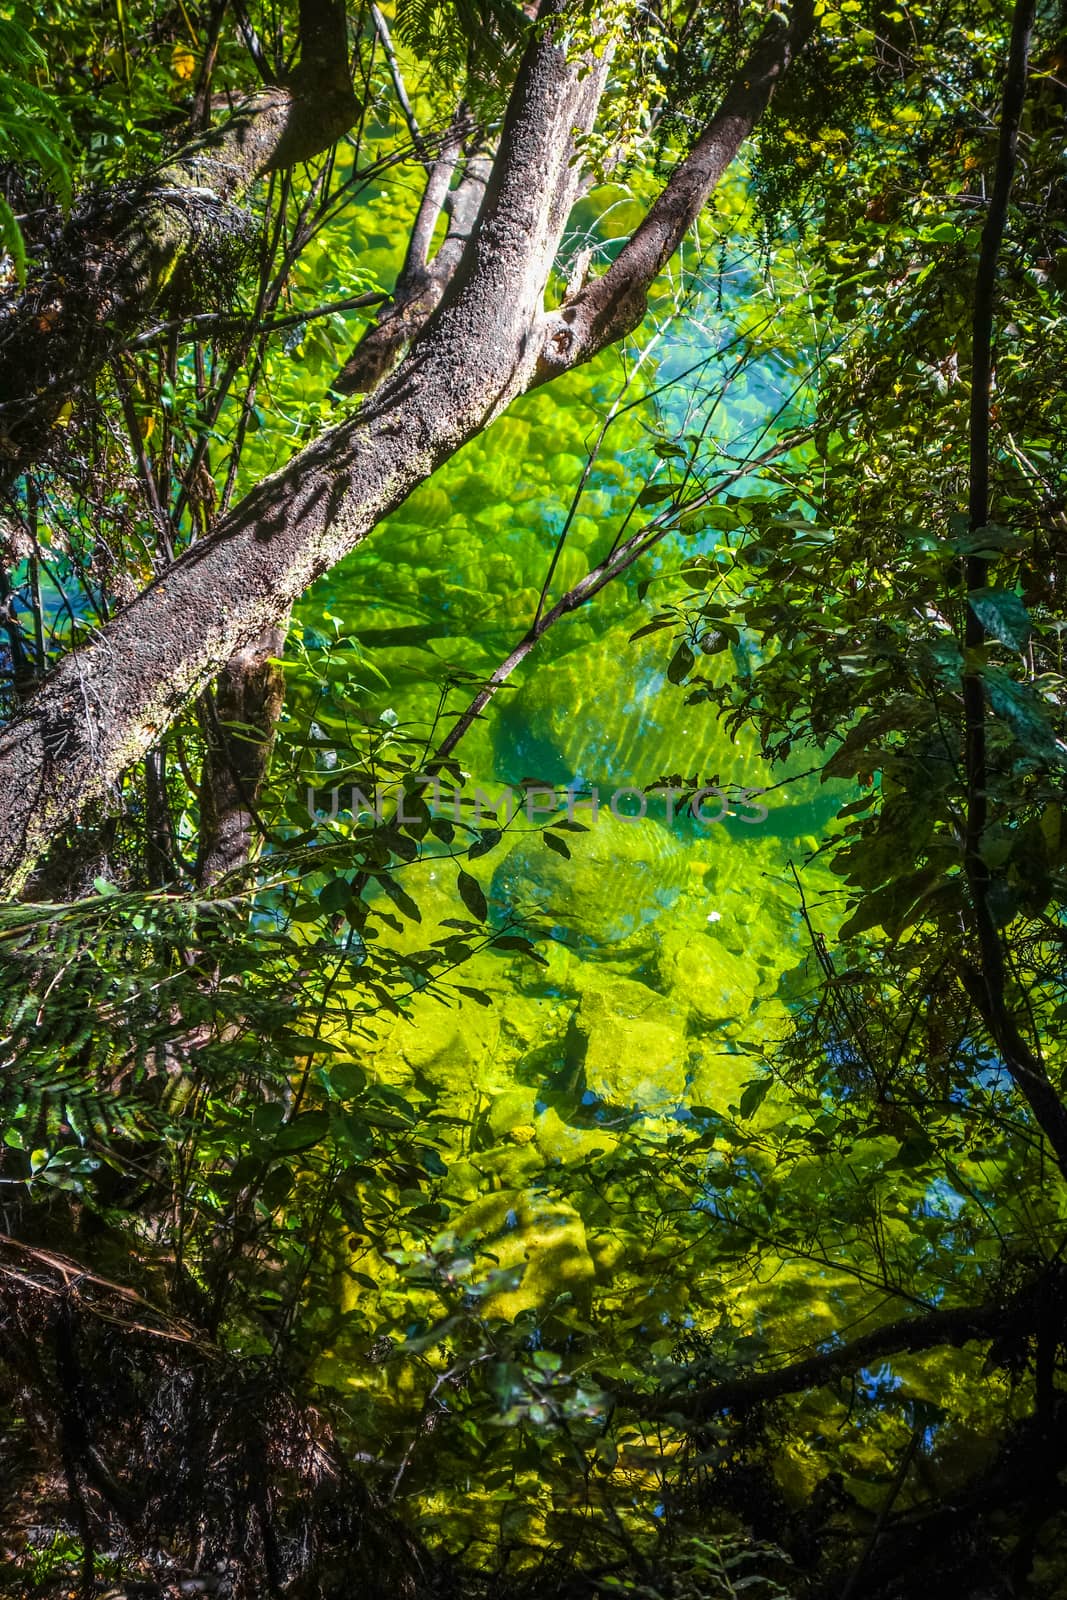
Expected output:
(422, 283)
(611, 306)
(381, 28)
(433, 199)
(953, 1326)
(620, 558)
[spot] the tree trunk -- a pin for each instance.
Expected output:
(239, 724)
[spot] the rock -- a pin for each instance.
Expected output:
(450, 1044)
(620, 877)
(559, 1141)
(635, 1051)
(536, 1232)
(513, 1113)
(701, 974)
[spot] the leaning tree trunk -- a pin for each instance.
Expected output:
(488, 341)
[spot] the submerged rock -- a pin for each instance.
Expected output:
(535, 1235)
(634, 1045)
(716, 987)
(621, 876)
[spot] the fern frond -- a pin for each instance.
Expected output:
(462, 36)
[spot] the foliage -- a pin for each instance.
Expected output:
(462, 38)
(641, 1207)
(34, 133)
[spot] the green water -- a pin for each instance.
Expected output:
(666, 940)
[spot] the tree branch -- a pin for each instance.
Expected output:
(910, 1335)
(122, 250)
(381, 28)
(323, 67)
(421, 284)
(588, 587)
(611, 306)
(105, 705)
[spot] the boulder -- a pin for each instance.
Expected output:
(634, 1046)
(621, 876)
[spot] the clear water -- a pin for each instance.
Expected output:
(666, 939)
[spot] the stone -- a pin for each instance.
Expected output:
(635, 1050)
(539, 1233)
(621, 876)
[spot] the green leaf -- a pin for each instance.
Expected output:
(479, 996)
(12, 241)
(308, 1129)
(681, 664)
(347, 1079)
(655, 626)
(400, 898)
(277, 1185)
(915, 1151)
(1002, 613)
(470, 892)
(753, 1095)
(656, 493)
(335, 895)
(560, 846)
(854, 807)
(1025, 714)
(513, 941)
(381, 1117)
(991, 540)
(488, 840)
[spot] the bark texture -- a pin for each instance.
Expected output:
(106, 705)
(239, 720)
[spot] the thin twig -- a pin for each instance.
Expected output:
(206, 320)
(381, 28)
